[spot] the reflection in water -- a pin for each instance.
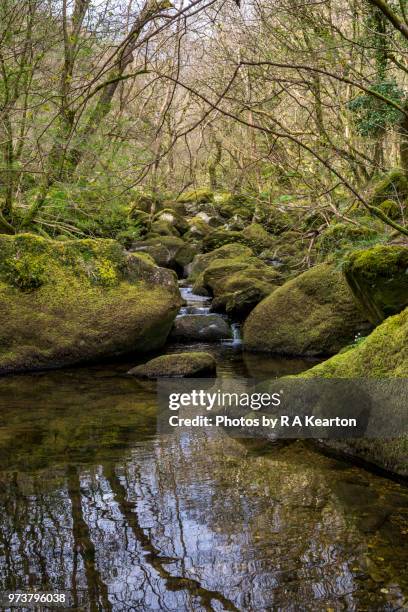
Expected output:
(93, 503)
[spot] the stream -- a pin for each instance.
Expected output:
(96, 505)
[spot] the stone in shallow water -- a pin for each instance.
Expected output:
(208, 328)
(177, 366)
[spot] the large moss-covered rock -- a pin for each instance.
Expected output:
(221, 237)
(167, 251)
(258, 237)
(313, 314)
(177, 366)
(238, 284)
(229, 275)
(228, 251)
(378, 277)
(198, 229)
(236, 279)
(67, 302)
(162, 227)
(382, 354)
(253, 236)
(240, 303)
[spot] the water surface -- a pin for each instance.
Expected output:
(94, 504)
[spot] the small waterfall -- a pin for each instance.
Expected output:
(236, 339)
(194, 304)
(190, 297)
(201, 305)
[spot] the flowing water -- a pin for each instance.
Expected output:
(94, 504)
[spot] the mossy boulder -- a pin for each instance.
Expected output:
(68, 302)
(185, 255)
(170, 217)
(382, 354)
(199, 196)
(198, 229)
(220, 237)
(253, 236)
(145, 202)
(202, 328)
(238, 284)
(238, 304)
(312, 314)
(378, 278)
(392, 209)
(228, 251)
(258, 237)
(392, 186)
(164, 228)
(178, 365)
(339, 236)
(167, 251)
(230, 275)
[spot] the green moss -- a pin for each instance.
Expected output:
(392, 186)
(190, 364)
(228, 251)
(255, 274)
(311, 314)
(258, 237)
(197, 195)
(144, 257)
(26, 272)
(198, 229)
(220, 237)
(105, 273)
(92, 302)
(339, 236)
(382, 354)
(392, 209)
(186, 254)
(378, 277)
(164, 228)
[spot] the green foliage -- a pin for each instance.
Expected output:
(88, 210)
(338, 237)
(373, 115)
